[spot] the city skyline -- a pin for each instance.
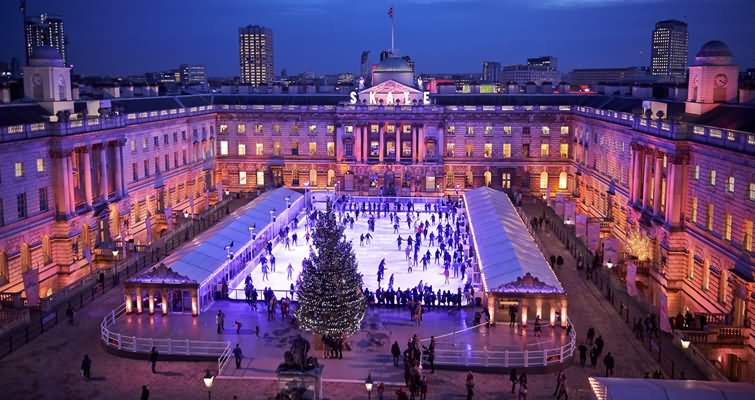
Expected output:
(564, 29)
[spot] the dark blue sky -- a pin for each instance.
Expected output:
(122, 37)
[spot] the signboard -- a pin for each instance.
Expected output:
(559, 206)
(663, 312)
(390, 93)
(593, 236)
(631, 279)
(611, 250)
(570, 211)
(31, 286)
(581, 225)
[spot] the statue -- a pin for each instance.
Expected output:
(361, 83)
(419, 82)
(297, 359)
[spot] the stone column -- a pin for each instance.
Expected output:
(87, 155)
(523, 314)
(398, 143)
(339, 143)
(414, 143)
(151, 300)
(104, 167)
(138, 300)
(366, 143)
(657, 183)
(646, 178)
(194, 302)
(357, 149)
(127, 298)
(120, 186)
(164, 295)
(491, 307)
(564, 316)
(675, 196)
(421, 145)
(381, 146)
(68, 181)
(636, 182)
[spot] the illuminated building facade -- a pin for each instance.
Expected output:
(256, 55)
(669, 50)
(45, 31)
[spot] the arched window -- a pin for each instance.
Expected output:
(563, 180)
(312, 177)
(543, 180)
(25, 255)
(488, 178)
(4, 272)
(331, 177)
(46, 254)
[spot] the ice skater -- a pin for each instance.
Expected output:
(398, 241)
(272, 263)
(264, 272)
(290, 270)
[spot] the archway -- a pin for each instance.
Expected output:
(488, 178)
(331, 178)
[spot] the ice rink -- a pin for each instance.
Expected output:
(383, 245)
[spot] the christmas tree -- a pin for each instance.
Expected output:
(331, 301)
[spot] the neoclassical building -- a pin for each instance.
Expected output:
(673, 182)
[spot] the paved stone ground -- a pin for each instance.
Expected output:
(48, 368)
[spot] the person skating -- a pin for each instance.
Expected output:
(396, 353)
(582, 355)
(219, 321)
(153, 355)
(514, 379)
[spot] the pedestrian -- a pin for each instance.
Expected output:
(559, 378)
(562, 393)
(219, 319)
(593, 357)
(257, 331)
(423, 388)
(431, 354)
(395, 352)
(590, 335)
(86, 367)
(523, 386)
(237, 355)
(145, 393)
(238, 326)
(608, 361)
(582, 355)
(513, 377)
(470, 385)
(290, 273)
(69, 314)
(153, 355)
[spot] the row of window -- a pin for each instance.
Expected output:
(488, 130)
(729, 183)
(728, 221)
(22, 208)
(166, 139)
(259, 128)
(487, 152)
(19, 168)
(259, 149)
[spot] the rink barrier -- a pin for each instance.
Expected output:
(134, 345)
(486, 358)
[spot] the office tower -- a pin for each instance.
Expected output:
(256, 55)
(45, 30)
(669, 50)
(546, 62)
(193, 74)
(491, 71)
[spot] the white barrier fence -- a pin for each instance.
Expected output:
(180, 347)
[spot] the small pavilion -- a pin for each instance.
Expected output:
(173, 291)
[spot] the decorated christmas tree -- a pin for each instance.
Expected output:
(331, 301)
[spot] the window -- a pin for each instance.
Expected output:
(525, 130)
(18, 169)
(43, 203)
(545, 149)
(175, 137)
(331, 149)
(241, 130)
(730, 184)
(312, 129)
(693, 216)
(350, 129)
(390, 129)
(331, 129)
(374, 128)
(312, 148)
(564, 130)
(406, 148)
(223, 147)
(507, 130)
(430, 184)
(747, 236)
(21, 205)
(450, 147)
(545, 131)
(242, 149)
(727, 226)
(525, 150)
(175, 159)
(563, 180)
(2, 214)
(470, 131)
(487, 151)
(223, 129)
(469, 151)
(167, 162)
(752, 191)
(348, 149)
(276, 129)
(276, 148)
(40, 165)
(711, 214)
(259, 149)
(183, 157)
(166, 139)
(145, 143)
(183, 135)
(451, 130)
(258, 128)
(543, 180)
(407, 128)
(295, 148)
(146, 168)
(260, 178)
(563, 150)
(506, 180)
(697, 172)
(134, 172)
(488, 130)
(156, 141)
(507, 150)
(132, 143)
(157, 165)
(712, 177)
(242, 177)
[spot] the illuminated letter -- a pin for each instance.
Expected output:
(389, 98)
(353, 97)
(426, 98)
(372, 98)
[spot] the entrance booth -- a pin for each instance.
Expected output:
(161, 289)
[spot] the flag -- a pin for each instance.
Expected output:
(390, 12)
(631, 279)
(31, 286)
(663, 312)
(22, 7)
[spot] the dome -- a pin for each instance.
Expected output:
(714, 48)
(714, 52)
(45, 55)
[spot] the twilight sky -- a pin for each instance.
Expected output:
(327, 36)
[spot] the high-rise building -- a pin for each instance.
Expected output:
(193, 74)
(491, 71)
(546, 62)
(256, 55)
(45, 31)
(669, 50)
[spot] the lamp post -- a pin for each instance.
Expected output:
(685, 342)
(368, 385)
(208, 381)
(306, 191)
(609, 264)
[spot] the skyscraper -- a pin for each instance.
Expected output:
(491, 71)
(45, 30)
(193, 74)
(669, 50)
(256, 55)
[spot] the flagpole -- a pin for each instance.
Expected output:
(392, 36)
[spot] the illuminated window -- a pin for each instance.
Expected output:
(260, 178)
(730, 184)
(752, 191)
(133, 145)
(543, 180)
(331, 149)
(331, 129)
(223, 128)
(390, 129)
(259, 149)
(430, 183)
(276, 129)
(545, 131)
(242, 177)
(470, 131)
(488, 178)
(242, 149)
(563, 180)
(18, 168)
(469, 151)
(312, 148)
(276, 148)
(374, 128)
(295, 148)
(349, 128)
(223, 147)
(712, 177)
(506, 180)
(145, 143)
(40, 165)
(564, 130)
(747, 236)
(451, 130)
(507, 150)
(563, 150)
(545, 150)
(709, 219)
(694, 210)
(407, 128)
(487, 151)
(507, 130)
(488, 131)
(450, 148)
(312, 128)
(697, 172)
(727, 226)
(241, 129)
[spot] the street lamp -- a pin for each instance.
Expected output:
(368, 385)
(609, 264)
(306, 189)
(685, 343)
(208, 381)
(186, 214)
